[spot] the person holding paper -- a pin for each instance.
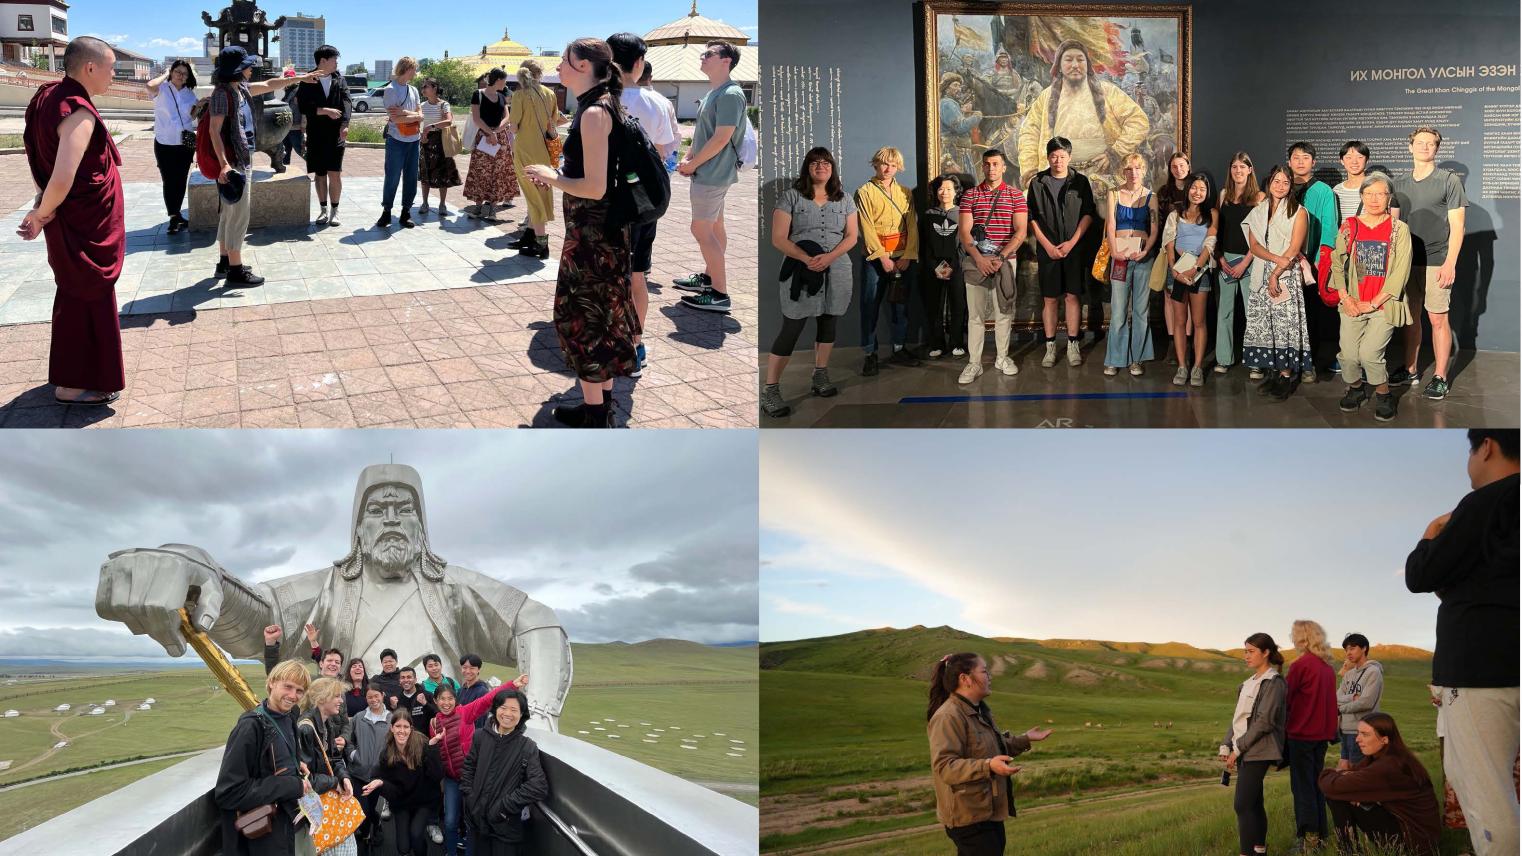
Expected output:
(1190, 241)
(490, 181)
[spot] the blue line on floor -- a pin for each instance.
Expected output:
(1055, 396)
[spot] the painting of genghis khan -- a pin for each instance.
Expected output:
(1112, 79)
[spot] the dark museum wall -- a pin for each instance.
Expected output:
(1252, 65)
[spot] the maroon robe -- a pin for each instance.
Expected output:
(87, 243)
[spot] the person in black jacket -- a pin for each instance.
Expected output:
(1469, 558)
(944, 289)
(414, 700)
(388, 678)
(318, 745)
(260, 766)
(326, 107)
(409, 778)
(502, 778)
(1061, 203)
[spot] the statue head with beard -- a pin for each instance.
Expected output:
(390, 536)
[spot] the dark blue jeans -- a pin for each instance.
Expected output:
(1307, 758)
(454, 826)
(401, 167)
(874, 288)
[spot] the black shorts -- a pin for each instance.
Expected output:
(641, 242)
(324, 156)
(1062, 276)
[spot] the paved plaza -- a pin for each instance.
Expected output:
(439, 326)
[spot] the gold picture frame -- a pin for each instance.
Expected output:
(993, 62)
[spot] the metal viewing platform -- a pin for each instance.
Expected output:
(601, 804)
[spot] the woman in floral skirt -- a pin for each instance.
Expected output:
(438, 171)
(594, 310)
(490, 181)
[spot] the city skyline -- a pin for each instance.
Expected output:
(365, 33)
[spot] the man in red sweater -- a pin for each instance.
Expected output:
(1310, 724)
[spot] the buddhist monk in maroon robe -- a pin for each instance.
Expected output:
(80, 211)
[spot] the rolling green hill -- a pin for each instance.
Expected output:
(843, 731)
(683, 688)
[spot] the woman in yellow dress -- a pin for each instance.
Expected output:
(536, 118)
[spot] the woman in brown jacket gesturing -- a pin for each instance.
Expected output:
(969, 757)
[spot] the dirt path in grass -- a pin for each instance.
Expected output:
(795, 812)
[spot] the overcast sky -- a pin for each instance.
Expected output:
(651, 536)
(1137, 536)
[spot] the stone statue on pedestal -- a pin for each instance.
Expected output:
(245, 25)
(390, 591)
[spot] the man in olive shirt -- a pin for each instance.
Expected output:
(713, 163)
(1431, 201)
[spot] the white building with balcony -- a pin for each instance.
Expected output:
(32, 29)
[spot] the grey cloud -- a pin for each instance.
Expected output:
(703, 616)
(75, 642)
(269, 504)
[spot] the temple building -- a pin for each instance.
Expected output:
(675, 53)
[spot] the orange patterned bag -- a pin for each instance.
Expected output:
(341, 815)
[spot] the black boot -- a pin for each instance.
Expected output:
(384, 221)
(585, 416)
(222, 266)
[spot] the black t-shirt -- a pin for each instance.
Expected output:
(492, 111)
(939, 239)
(1472, 567)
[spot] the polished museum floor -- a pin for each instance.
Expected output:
(1484, 394)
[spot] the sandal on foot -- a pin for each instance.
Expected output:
(89, 398)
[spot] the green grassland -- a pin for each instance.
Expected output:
(1130, 767)
(697, 688)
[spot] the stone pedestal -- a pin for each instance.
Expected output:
(279, 200)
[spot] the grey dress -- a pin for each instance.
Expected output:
(825, 225)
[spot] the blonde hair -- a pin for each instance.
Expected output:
(529, 73)
(889, 155)
(403, 65)
(293, 671)
(1135, 156)
(1308, 638)
(322, 691)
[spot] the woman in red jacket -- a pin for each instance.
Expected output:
(1387, 796)
(1310, 724)
(456, 722)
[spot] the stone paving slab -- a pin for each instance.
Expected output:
(438, 326)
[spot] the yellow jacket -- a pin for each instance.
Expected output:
(878, 216)
(1125, 127)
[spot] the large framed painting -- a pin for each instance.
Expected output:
(1114, 79)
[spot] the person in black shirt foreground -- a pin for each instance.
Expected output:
(260, 767)
(1469, 558)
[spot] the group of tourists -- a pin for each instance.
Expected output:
(1379, 791)
(1326, 275)
(445, 761)
(517, 148)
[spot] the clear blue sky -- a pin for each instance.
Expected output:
(386, 29)
(1141, 536)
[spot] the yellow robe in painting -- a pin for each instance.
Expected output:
(1125, 127)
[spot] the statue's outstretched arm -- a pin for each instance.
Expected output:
(145, 589)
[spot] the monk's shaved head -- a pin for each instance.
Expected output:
(85, 49)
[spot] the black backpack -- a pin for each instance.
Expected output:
(641, 187)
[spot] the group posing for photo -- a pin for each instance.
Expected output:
(447, 762)
(1326, 276)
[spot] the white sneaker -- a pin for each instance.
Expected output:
(971, 373)
(1007, 365)
(1075, 358)
(1111, 371)
(1136, 370)
(959, 352)
(1181, 376)
(935, 354)
(1196, 376)
(1050, 359)
(1220, 369)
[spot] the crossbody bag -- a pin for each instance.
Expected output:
(898, 291)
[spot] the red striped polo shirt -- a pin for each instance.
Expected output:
(998, 219)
